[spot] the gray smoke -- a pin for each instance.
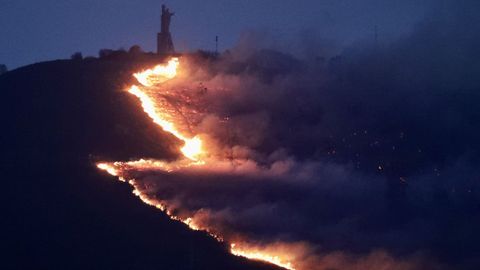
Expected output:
(370, 158)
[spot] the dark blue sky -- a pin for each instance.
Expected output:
(34, 31)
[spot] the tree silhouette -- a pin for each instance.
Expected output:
(3, 69)
(77, 56)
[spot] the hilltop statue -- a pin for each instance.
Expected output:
(166, 18)
(164, 38)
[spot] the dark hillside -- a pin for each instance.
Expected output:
(59, 211)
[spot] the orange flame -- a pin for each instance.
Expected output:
(257, 254)
(158, 74)
(108, 168)
(192, 148)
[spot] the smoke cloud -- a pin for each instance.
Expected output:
(365, 160)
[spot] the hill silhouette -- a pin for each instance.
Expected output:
(59, 211)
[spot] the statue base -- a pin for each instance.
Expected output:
(165, 44)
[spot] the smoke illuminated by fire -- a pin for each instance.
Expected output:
(157, 104)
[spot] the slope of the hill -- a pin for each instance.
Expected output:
(58, 210)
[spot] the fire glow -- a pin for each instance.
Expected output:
(192, 146)
(257, 254)
(194, 153)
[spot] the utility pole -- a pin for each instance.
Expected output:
(216, 45)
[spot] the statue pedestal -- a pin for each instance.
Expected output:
(165, 43)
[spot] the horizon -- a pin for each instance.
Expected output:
(41, 31)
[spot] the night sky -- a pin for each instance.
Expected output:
(34, 31)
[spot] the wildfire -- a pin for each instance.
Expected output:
(108, 168)
(158, 74)
(192, 148)
(151, 80)
(256, 254)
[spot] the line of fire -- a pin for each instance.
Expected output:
(155, 98)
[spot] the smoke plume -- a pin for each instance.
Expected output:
(365, 160)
